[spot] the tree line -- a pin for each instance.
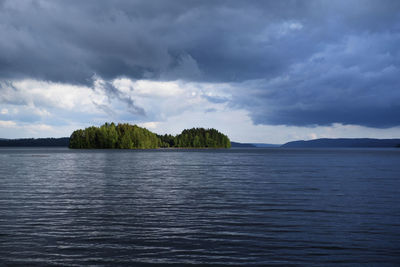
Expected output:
(126, 136)
(32, 142)
(196, 138)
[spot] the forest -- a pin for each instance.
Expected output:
(127, 136)
(32, 142)
(196, 138)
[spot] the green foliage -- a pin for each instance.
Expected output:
(123, 136)
(197, 138)
(167, 140)
(126, 136)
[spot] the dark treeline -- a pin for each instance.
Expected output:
(110, 135)
(128, 136)
(197, 138)
(32, 142)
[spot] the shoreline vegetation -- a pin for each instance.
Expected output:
(317, 143)
(127, 136)
(35, 142)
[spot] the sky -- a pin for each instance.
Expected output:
(258, 71)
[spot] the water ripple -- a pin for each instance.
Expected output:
(239, 207)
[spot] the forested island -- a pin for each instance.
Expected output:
(126, 136)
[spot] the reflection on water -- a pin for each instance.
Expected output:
(238, 206)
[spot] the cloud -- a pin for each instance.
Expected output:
(120, 100)
(185, 67)
(149, 125)
(295, 63)
(13, 129)
(7, 124)
(111, 91)
(106, 109)
(184, 107)
(354, 82)
(208, 40)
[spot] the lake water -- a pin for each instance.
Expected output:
(237, 206)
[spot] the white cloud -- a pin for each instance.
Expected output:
(145, 88)
(44, 109)
(124, 85)
(12, 129)
(288, 27)
(294, 25)
(49, 94)
(161, 99)
(7, 124)
(312, 136)
(149, 125)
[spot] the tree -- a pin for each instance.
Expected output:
(128, 136)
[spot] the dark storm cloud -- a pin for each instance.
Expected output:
(352, 82)
(298, 62)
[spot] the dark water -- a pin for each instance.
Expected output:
(238, 206)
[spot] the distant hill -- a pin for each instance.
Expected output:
(265, 145)
(237, 144)
(32, 142)
(345, 142)
(254, 145)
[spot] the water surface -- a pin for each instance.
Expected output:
(237, 206)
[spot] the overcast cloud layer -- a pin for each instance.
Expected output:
(292, 63)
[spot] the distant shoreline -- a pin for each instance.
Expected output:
(343, 143)
(317, 143)
(35, 142)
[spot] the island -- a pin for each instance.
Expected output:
(127, 136)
